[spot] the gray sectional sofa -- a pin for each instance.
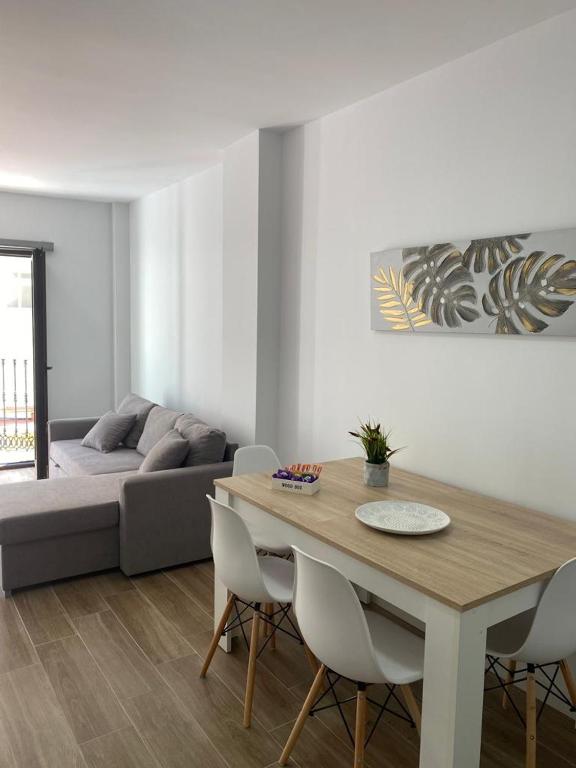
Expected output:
(97, 511)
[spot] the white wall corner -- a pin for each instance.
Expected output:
(270, 172)
(120, 299)
(252, 193)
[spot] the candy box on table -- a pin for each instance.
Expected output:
(298, 478)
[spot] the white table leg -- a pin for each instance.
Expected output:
(220, 591)
(453, 688)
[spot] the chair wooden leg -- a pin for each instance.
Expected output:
(569, 680)
(531, 718)
(304, 712)
(412, 705)
(217, 635)
(249, 697)
(509, 679)
(312, 660)
(360, 730)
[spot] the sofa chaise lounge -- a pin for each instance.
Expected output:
(97, 511)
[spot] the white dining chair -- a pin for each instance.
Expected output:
(354, 643)
(261, 458)
(252, 580)
(541, 639)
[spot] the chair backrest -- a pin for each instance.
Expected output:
(235, 558)
(255, 458)
(332, 621)
(552, 636)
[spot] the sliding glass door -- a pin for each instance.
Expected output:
(23, 364)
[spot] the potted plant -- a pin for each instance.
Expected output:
(374, 440)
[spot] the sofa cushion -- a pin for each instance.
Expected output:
(207, 444)
(75, 459)
(168, 453)
(109, 431)
(141, 407)
(40, 509)
(160, 421)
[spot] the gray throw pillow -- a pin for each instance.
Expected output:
(109, 431)
(141, 407)
(168, 453)
(160, 421)
(207, 444)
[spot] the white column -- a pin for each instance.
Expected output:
(121, 300)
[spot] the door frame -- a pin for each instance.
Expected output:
(36, 251)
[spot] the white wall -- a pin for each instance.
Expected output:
(269, 286)
(240, 287)
(121, 299)
(79, 281)
(484, 145)
(176, 269)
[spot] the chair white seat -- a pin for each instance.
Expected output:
(543, 636)
(352, 642)
(278, 577)
(399, 653)
(507, 638)
(260, 458)
(260, 580)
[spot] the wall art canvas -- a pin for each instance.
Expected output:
(514, 284)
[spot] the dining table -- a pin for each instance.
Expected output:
(491, 563)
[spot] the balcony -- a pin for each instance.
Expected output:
(16, 411)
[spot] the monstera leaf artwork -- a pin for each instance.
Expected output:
(442, 286)
(492, 252)
(396, 303)
(510, 284)
(528, 288)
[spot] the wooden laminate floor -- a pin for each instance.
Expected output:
(102, 672)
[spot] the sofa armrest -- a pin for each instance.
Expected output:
(70, 429)
(165, 516)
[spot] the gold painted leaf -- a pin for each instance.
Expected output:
(395, 301)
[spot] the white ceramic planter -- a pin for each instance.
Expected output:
(376, 474)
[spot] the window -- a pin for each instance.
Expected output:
(20, 291)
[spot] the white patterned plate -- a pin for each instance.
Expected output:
(403, 517)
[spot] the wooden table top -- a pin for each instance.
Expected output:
(491, 548)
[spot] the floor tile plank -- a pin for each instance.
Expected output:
(219, 713)
(172, 735)
(121, 661)
(79, 596)
(120, 749)
(42, 614)
(274, 703)
(317, 747)
(197, 580)
(110, 583)
(288, 663)
(174, 604)
(155, 635)
(33, 723)
(88, 702)
(16, 650)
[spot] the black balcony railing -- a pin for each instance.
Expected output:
(17, 406)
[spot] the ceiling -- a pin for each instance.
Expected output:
(112, 99)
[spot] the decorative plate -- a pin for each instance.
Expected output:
(403, 517)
